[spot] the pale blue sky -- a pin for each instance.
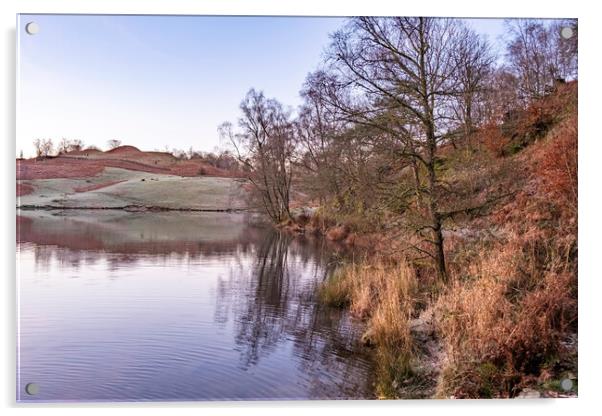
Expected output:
(153, 81)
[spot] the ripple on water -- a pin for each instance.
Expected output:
(171, 318)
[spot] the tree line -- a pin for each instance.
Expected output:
(46, 147)
(221, 159)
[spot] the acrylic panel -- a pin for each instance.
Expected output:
(295, 208)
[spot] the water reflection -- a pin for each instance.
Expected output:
(225, 310)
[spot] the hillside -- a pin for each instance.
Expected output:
(126, 178)
(505, 324)
(90, 162)
(116, 188)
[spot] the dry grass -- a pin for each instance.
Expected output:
(86, 163)
(337, 290)
(556, 166)
(385, 296)
(506, 322)
(513, 303)
(337, 233)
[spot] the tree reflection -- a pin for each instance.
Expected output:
(261, 323)
(273, 300)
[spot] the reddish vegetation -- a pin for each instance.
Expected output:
(24, 189)
(338, 233)
(500, 329)
(124, 149)
(521, 128)
(56, 168)
(556, 166)
(87, 163)
(96, 186)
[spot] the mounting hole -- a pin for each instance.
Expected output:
(32, 389)
(32, 28)
(566, 384)
(566, 32)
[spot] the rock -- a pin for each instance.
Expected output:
(368, 338)
(422, 327)
(528, 393)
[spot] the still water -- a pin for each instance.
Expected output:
(116, 306)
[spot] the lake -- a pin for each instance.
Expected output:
(117, 306)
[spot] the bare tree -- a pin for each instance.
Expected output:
(179, 154)
(63, 146)
(37, 144)
(539, 55)
(319, 130)
(501, 95)
(44, 147)
(69, 145)
(76, 145)
(113, 143)
(566, 48)
(264, 144)
(401, 76)
(474, 62)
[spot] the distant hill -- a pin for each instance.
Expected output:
(91, 162)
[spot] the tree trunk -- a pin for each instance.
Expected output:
(439, 253)
(437, 234)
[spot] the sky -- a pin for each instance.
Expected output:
(161, 81)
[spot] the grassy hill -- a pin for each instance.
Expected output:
(126, 177)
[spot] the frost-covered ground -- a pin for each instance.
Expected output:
(121, 188)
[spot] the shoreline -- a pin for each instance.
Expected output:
(127, 208)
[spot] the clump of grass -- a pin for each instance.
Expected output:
(557, 385)
(336, 291)
(385, 296)
(390, 325)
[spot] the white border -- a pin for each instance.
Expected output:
(590, 154)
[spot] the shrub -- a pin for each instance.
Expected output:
(556, 166)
